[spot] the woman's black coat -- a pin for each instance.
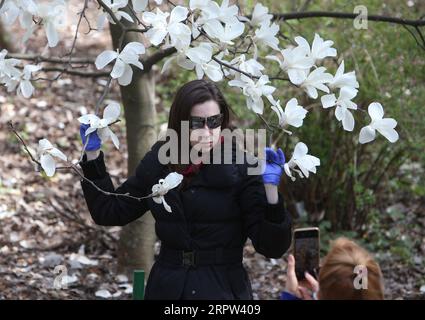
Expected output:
(219, 209)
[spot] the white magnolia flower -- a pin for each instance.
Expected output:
(10, 12)
(198, 4)
(47, 152)
(27, 23)
(179, 33)
(110, 115)
(212, 68)
(115, 6)
(295, 62)
(267, 35)
(196, 26)
(8, 66)
(385, 126)
(139, 5)
(181, 59)
(53, 17)
(293, 115)
(342, 79)
(12, 9)
(260, 15)
(212, 18)
(211, 11)
(320, 49)
(251, 66)
(122, 69)
(160, 189)
(254, 91)
(9, 73)
(201, 57)
(227, 33)
(316, 80)
(343, 103)
(301, 159)
(25, 85)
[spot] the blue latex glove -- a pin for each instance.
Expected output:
(94, 141)
(274, 166)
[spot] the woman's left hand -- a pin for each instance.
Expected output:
(274, 166)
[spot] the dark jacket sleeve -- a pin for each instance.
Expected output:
(267, 225)
(109, 210)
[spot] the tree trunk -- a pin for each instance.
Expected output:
(137, 239)
(5, 39)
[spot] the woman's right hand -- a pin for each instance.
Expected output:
(291, 279)
(94, 141)
(306, 289)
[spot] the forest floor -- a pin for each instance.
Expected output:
(44, 223)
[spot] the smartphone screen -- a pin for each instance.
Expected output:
(306, 251)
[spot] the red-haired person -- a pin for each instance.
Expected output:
(337, 276)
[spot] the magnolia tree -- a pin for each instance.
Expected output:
(216, 41)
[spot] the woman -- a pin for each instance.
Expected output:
(214, 209)
(340, 277)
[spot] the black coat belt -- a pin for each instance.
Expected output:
(218, 256)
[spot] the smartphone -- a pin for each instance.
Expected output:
(306, 251)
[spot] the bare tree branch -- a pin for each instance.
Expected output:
(343, 15)
(148, 62)
(39, 58)
(84, 74)
(74, 168)
(243, 72)
(234, 68)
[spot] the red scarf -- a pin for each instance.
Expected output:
(193, 168)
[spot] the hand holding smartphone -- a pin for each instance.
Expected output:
(306, 251)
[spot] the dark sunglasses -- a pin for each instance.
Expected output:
(212, 122)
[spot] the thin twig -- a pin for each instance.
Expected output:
(234, 68)
(74, 42)
(418, 30)
(422, 46)
(117, 21)
(126, 195)
(265, 122)
(11, 127)
(73, 167)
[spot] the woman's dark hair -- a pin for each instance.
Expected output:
(193, 93)
(190, 94)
